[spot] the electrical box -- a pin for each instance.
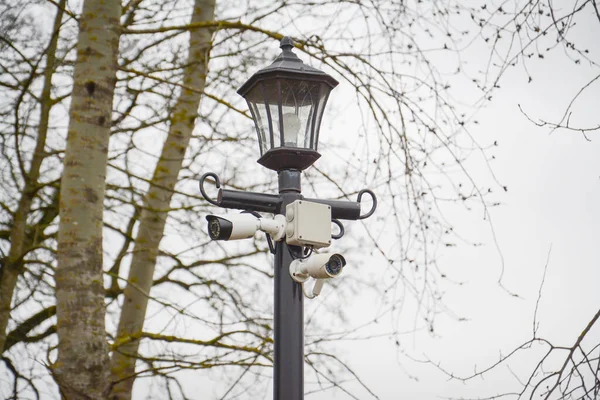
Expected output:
(308, 224)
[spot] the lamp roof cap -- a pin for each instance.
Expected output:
(287, 65)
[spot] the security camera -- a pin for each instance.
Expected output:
(243, 226)
(232, 227)
(318, 266)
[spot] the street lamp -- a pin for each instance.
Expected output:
(287, 100)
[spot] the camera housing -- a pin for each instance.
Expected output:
(243, 226)
(318, 266)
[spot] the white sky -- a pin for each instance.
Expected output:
(552, 202)
(553, 183)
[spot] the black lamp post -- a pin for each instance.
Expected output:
(287, 100)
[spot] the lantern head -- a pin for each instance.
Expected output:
(287, 100)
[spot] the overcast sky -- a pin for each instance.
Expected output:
(550, 212)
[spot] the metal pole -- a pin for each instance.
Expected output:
(288, 365)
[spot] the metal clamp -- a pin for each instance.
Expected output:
(217, 184)
(372, 210)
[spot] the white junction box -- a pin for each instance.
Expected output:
(308, 224)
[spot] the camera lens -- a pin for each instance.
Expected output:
(219, 228)
(334, 265)
(214, 228)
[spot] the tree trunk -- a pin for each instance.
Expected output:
(157, 203)
(18, 240)
(81, 370)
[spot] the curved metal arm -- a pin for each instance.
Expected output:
(217, 184)
(341, 233)
(372, 210)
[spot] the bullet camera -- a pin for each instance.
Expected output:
(318, 266)
(243, 226)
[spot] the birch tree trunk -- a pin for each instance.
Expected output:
(10, 272)
(81, 370)
(157, 203)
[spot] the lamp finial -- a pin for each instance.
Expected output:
(286, 43)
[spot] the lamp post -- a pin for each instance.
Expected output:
(287, 100)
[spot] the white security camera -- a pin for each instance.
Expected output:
(318, 266)
(243, 226)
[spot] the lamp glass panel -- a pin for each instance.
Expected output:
(272, 101)
(323, 97)
(298, 102)
(256, 104)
